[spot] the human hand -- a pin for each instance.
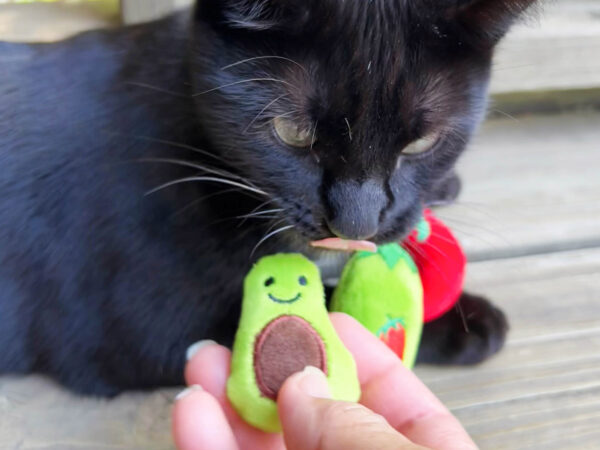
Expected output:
(396, 410)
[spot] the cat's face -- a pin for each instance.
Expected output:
(349, 113)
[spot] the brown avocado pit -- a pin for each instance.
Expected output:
(285, 346)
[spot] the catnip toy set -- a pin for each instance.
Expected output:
(391, 290)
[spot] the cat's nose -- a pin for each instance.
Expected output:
(355, 209)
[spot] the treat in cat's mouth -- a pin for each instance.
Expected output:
(346, 245)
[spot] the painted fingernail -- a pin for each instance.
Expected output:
(188, 391)
(193, 349)
(313, 382)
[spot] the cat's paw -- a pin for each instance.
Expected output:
(468, 334)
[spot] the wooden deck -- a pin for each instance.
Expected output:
(529, 218)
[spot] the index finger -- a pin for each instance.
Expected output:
(390, 389)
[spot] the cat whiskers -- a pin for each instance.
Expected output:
(349, 128)
(255, 210)
(271, 103)
(274, 224)
(250, 80)
(242, 186)
(465, 324)
(268, 214)
(210, 170)
(157, 89)
(289, 113)
(414, 248)
(312, 144)
(224, 177)
(180, 145)
(505, 114)
(490, 233)
(195, 202)
(269, 236)
(257, 58)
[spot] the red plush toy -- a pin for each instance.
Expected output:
(441, 263)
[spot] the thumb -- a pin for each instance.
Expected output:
(312, 421)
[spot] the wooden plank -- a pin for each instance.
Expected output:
(50, 22)
(557, 48)
(37, 414)
(560, 292)
(530, 186)
(136, 11)
(565, 419)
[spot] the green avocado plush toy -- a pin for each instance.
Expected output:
(284, 327)
(383, 291)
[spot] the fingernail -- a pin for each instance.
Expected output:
(188, 391)
(314, 383)
(193, 349)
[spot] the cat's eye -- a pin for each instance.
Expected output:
(293, 134)
(421, 145)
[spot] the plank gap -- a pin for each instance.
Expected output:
(533, 250)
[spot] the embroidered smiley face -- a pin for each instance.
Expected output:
(302, 281)
(290, 283)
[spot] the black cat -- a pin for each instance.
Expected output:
(144, 169)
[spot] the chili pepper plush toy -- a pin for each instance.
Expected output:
(383, 291)
(393, 291)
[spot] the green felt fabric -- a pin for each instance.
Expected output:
(273, 288)
(382, 288)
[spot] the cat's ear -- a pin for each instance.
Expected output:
(257, 15)
(488, 20)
